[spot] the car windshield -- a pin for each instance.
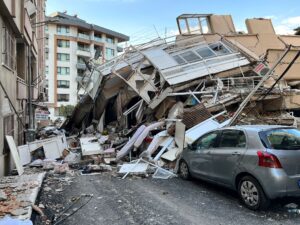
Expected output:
(281, 138)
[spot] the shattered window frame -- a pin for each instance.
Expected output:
(182, 60)
(191, 24)
(221, 48)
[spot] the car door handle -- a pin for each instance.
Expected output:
(236, 153)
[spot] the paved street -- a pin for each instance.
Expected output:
(150, 201)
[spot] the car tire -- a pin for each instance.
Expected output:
(184, 172)
(252, 194)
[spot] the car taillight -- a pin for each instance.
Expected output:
(268, 160)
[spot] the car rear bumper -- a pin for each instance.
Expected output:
(276, 183)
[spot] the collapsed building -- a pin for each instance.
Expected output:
(208, 60)
(157, 97)
(191, 83)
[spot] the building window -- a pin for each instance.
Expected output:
(8, 128)
(47, 55)
(46, 28)
(63, 84)
(63, 57)
(63, 97)
(63, 70)
(83, 47)
(110, 40)
(63, 43)
(110, 52)
(46, 83)
(47, 69)
(8, 48)
(46, 41)
(63, 29)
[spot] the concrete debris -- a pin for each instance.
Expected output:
(3, 195)
(21, 193)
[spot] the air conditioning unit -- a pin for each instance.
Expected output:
(261, 69)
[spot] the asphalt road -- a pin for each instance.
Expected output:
(152, 201)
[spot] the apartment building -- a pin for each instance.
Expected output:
(21, 46)
(70, 42)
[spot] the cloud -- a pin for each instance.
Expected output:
(287, 25)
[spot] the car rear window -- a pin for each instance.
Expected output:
(281, 139)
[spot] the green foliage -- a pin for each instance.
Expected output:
(66, 110)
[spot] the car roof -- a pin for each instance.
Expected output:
(257, 127)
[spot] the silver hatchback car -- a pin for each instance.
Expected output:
(261, 162)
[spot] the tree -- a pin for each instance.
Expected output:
(66, 110)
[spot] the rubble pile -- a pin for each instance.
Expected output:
(156, 98)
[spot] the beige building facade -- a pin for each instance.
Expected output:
(21, 64)
(70, 42)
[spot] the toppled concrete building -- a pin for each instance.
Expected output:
(209, 62)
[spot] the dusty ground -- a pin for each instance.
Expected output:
(150, 201)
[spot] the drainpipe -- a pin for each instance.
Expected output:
(30, 131)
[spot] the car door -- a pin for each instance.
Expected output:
(228, 151)
(200, 155)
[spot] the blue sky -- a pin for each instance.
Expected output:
(143, 19)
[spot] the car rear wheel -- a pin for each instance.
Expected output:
(184, 172)
(252, 194)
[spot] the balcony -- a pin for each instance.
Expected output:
(84, 36)
(81, 66)
(84, 52)
(22, 89)
(98, 39)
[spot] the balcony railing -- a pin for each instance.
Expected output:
(98, 39)
(84, 36)
(83, 49)
(81, 66)
(22, 89)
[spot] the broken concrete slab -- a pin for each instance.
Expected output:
(15, 154)
(90, 146)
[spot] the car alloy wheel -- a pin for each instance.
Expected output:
(249, 193)
(252, 194)
(184, 170)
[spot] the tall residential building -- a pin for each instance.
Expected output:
(70, 42)
(21, 70)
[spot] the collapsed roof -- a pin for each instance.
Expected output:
(208, 59)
